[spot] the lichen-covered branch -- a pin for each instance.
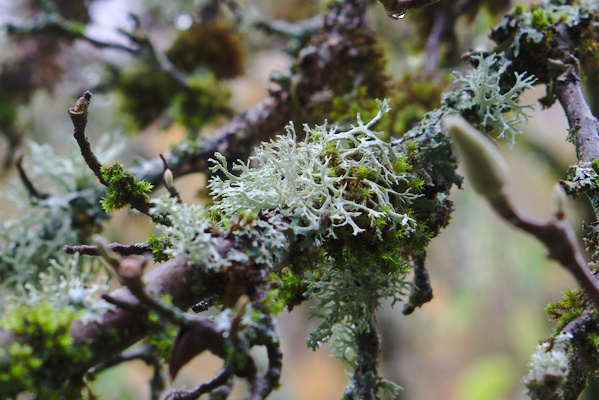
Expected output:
(584, 127)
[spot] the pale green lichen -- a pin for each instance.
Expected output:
(43, 226)
(194, 235)
(311, 182)
(548, 369)
(75, 283)
(492, 104)
(350, 297)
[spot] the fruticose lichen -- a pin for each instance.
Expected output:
(327, 181)
(491, 103)
(68, 216)
(548, 369)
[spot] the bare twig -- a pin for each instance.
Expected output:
(78, 116)
(33, 192)
(221, 380)
(139, 249)
(56, 25)
(558, 237)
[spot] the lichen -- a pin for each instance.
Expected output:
(327, 181)
(37, 232)
(490, 102)
(548, 370)
(194, 234)
(75, 283)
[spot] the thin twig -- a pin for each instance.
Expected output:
(558, 237)
(584, 127)
(204, 388)
(78, 116)
(33, 192)
(136, 249)
(147, 355)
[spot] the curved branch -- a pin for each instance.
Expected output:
(584, 127)
(126, 326)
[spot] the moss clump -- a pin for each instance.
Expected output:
(205, 101)
(211, 45)
(124, 189)
(571, 306)
(158, 245)
(147, 93)
(44, 358)
(161, 334)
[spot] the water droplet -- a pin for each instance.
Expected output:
(397, 16)
(183, 22)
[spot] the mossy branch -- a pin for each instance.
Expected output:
(123, 188)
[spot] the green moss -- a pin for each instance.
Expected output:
(123, 189)
(206, 100)
(210, 45)
(570, 307)
(161, 338)
(44, 360)
(158, 245)
(147, 93)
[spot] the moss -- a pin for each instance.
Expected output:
(161, 336)
(158, 247)
(205, 101)
(123, 189)
(44, 360)
(571, 306)
(147, 93)
(210, 45)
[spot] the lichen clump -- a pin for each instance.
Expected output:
(492, 104)
(328, 181)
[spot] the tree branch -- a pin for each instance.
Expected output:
(78, 116)
(584, 127)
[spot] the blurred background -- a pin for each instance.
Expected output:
(491, 283)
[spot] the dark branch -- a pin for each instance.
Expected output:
(421, 291)
(317, 64)
(220, 380)
(78, 116)
(33, 192)
(138, 249)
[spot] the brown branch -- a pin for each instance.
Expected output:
(33, 192)
(78, 116)
(138, 249)
(584, 127)
(221, 380)
(366, 374)
(117, 328)
(432, 54)
(558, 237)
